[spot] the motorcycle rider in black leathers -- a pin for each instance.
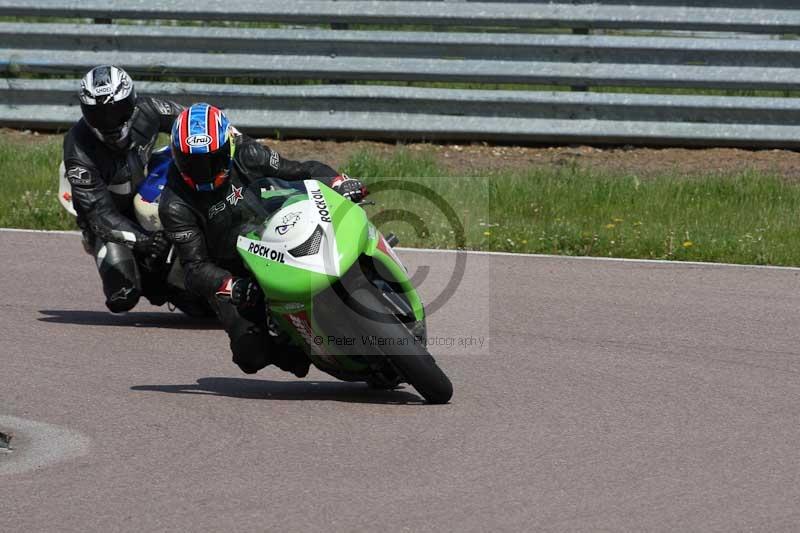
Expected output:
(105, 154)
(201, 214)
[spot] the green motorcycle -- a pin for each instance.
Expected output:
(336, 288)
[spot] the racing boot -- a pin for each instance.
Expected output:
(291, 359)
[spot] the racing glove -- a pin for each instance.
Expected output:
(244, 293)
(351, 188)
(155, 247)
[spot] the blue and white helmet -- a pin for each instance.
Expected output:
(203, 146)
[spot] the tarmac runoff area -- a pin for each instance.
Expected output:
(605, 395)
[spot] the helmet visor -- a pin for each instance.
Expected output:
(204, 168)
(110, 117)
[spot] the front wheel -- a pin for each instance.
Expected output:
(406, 353)
(422, 372)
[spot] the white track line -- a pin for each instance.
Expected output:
(606, 259)
(53, 231)
(514, 255)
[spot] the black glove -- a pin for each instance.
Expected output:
(244, 293)
(351, 188)
(155, 247)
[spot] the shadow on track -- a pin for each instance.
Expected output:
(260, 389)
(174, 320)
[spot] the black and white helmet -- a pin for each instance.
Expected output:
(108, 103)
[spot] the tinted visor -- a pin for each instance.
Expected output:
(204, 168)
(110, 117)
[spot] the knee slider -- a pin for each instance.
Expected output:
(250, 350)
(123, 300)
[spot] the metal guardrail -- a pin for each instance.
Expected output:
(271, 67)
(499, 14)
(334, 99)
(751, 4)
(246, 57)
(403, 44)
(381, 112)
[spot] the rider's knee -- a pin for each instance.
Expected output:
(123, 300)
(120, 276)
(250, 350)
(113, 256)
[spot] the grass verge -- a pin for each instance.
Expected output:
(748, 218)
(29, 174)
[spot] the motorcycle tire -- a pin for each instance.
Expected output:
(406, 353)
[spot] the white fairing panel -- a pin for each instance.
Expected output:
(291, 227)
(65, 190)
(146, 213)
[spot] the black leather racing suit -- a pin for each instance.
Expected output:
(204, 227)
(104, 182)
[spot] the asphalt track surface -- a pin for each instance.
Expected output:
(606, 396)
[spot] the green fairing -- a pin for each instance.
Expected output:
(346, 225)
(290, 286)
(287, 283)
(399, 274)
(350, 224)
